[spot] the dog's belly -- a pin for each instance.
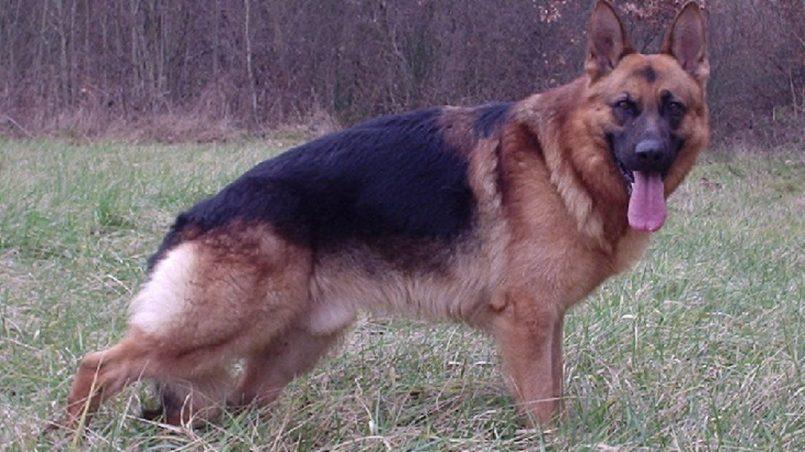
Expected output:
(434, 283)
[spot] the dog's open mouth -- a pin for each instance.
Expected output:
(628, 175)
(647, 210)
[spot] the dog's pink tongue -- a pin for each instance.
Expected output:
(647, 203)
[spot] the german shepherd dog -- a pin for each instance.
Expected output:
(500, 216)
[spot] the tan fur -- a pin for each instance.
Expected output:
(549, 227)
(236, 297)
(568, 212)
(165, 298)
(360, 279)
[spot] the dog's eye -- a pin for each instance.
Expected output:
(676, 108)
(626, 106)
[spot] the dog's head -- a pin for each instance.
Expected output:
(650, 109)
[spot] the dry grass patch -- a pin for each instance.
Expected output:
(699, 347)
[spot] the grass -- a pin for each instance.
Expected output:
(699, 347)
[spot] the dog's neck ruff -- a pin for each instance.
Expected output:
(574, 195)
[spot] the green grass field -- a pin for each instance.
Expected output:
(699, 347)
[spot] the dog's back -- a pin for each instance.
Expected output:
(391, 177)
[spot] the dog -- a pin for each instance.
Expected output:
(500, 216)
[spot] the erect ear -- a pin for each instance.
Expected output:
(606, 41)
(687, 42)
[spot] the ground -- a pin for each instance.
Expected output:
(700, 346)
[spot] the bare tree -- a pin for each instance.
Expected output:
(261, 63)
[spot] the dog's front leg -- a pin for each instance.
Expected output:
(529, 335)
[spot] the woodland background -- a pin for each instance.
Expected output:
(700, 347)
(203, 70)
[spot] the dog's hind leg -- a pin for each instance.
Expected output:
(194, 400)
(270, 369)
(208, 303)
(102, 374)
(194, 383)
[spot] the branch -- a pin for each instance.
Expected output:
(22, 129)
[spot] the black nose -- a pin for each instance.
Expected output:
(649, 151)
(651, 154)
